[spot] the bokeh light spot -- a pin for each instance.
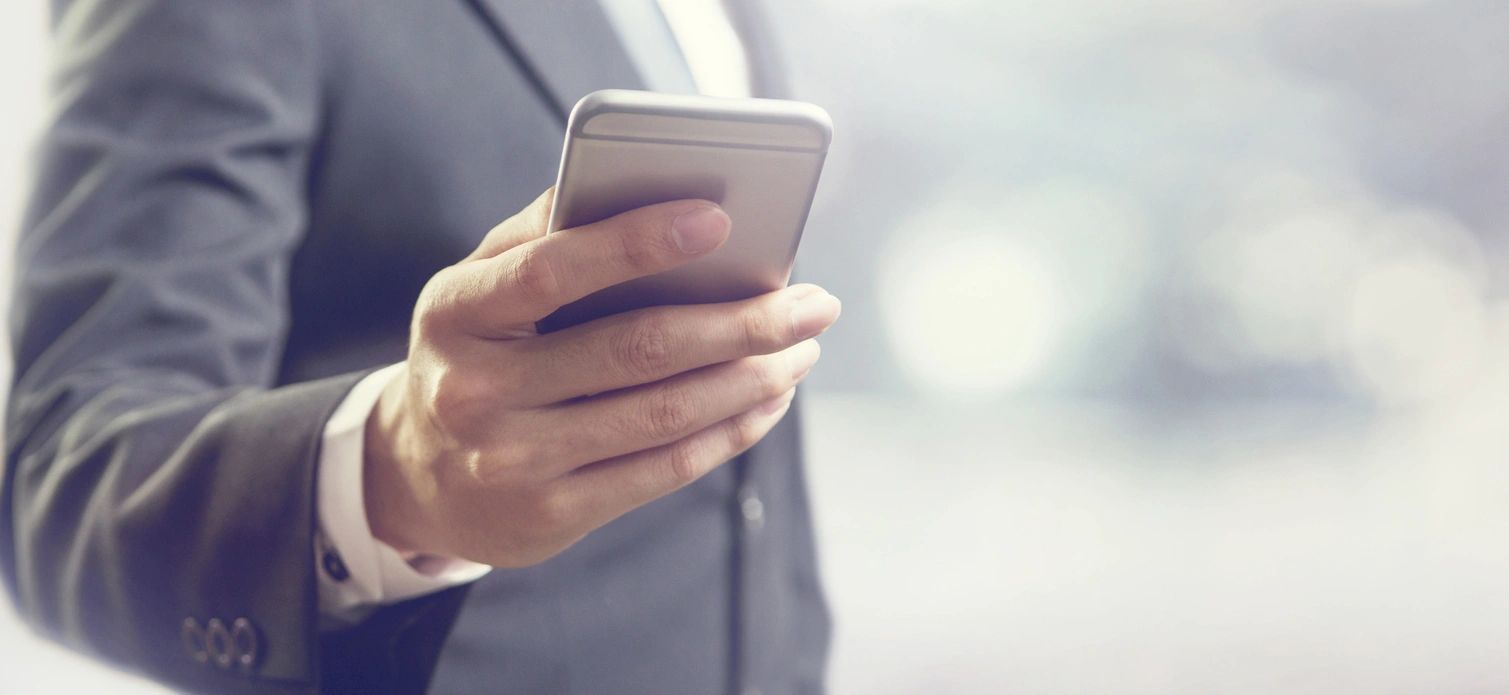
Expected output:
(970, 314)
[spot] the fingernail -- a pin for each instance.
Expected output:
(813, 314)
(700, 230)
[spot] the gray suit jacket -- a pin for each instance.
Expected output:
(235, 208)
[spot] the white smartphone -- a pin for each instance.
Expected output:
(758, 158)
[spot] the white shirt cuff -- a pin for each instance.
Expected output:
(356, 571)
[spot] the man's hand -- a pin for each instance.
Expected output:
(505, 447)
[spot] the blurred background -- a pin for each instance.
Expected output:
(1175, 350)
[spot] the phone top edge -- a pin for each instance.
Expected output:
(753, 110)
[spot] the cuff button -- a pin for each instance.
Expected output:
(245, 643)
(334, 566)
(217, 640)
(751, 508)
(194, 641)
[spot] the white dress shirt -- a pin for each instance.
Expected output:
(357, 572)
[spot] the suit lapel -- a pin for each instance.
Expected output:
(566, 47)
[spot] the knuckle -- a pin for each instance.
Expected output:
(532, 276)
(762, 333)
(640, 249)
(667, 413)
(429, 323)
(477, 466)
(426, 328)
(645, 350)
(766, 377)
(683, 463)
(434, 303)
(456, 396)
(742, 433)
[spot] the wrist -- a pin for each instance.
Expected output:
(394, 489)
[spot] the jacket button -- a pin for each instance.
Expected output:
(218, 642)
(334, 566)
(751, 508)
(247, 646)
(193, 640)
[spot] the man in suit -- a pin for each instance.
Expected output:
(280, 422)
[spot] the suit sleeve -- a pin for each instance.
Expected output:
(159, 493)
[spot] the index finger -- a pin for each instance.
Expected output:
(527, 282)
(647, 345)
